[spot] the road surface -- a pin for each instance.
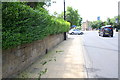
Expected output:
(101, 55)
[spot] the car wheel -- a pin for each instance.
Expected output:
(81, 33)
(72, 33)
(99, 34)
(112, 35)
(103, 35)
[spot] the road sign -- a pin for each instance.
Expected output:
(98, 18)
(116, 20)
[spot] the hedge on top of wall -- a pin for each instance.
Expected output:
(21, 24)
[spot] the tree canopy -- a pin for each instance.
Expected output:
(99, 23)
(72, 16)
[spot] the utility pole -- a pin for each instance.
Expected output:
(64, 11)
(118, 20)
(64, 19)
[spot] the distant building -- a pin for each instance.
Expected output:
(86, 26)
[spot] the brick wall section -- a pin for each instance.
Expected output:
(17, 59)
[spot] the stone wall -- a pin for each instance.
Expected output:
(17, 59)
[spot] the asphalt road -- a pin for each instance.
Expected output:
(101, 55)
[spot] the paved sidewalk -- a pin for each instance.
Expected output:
(64, 61)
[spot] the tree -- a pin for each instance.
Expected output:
(73, 17)
(96, 24)
(38, 4)
(61, 16)
(108, 21)
(112, 21)
(80, 20)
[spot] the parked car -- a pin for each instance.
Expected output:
(75, 31)
(106, 31)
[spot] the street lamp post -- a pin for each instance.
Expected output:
(64, 19)
(64, 9)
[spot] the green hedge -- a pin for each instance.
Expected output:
(21, 24)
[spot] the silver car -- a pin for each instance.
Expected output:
(75, 31)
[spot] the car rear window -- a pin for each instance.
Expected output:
(109, 28)
(75, 30)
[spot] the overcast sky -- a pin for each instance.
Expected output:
(88, 9)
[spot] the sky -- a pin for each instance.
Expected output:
(88, 9)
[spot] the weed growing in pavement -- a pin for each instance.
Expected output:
(50, 60)
(59, 51)
(44, 63)
(24, 75)
(41, 73)
(54, 59)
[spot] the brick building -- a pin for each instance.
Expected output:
(86, 26)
